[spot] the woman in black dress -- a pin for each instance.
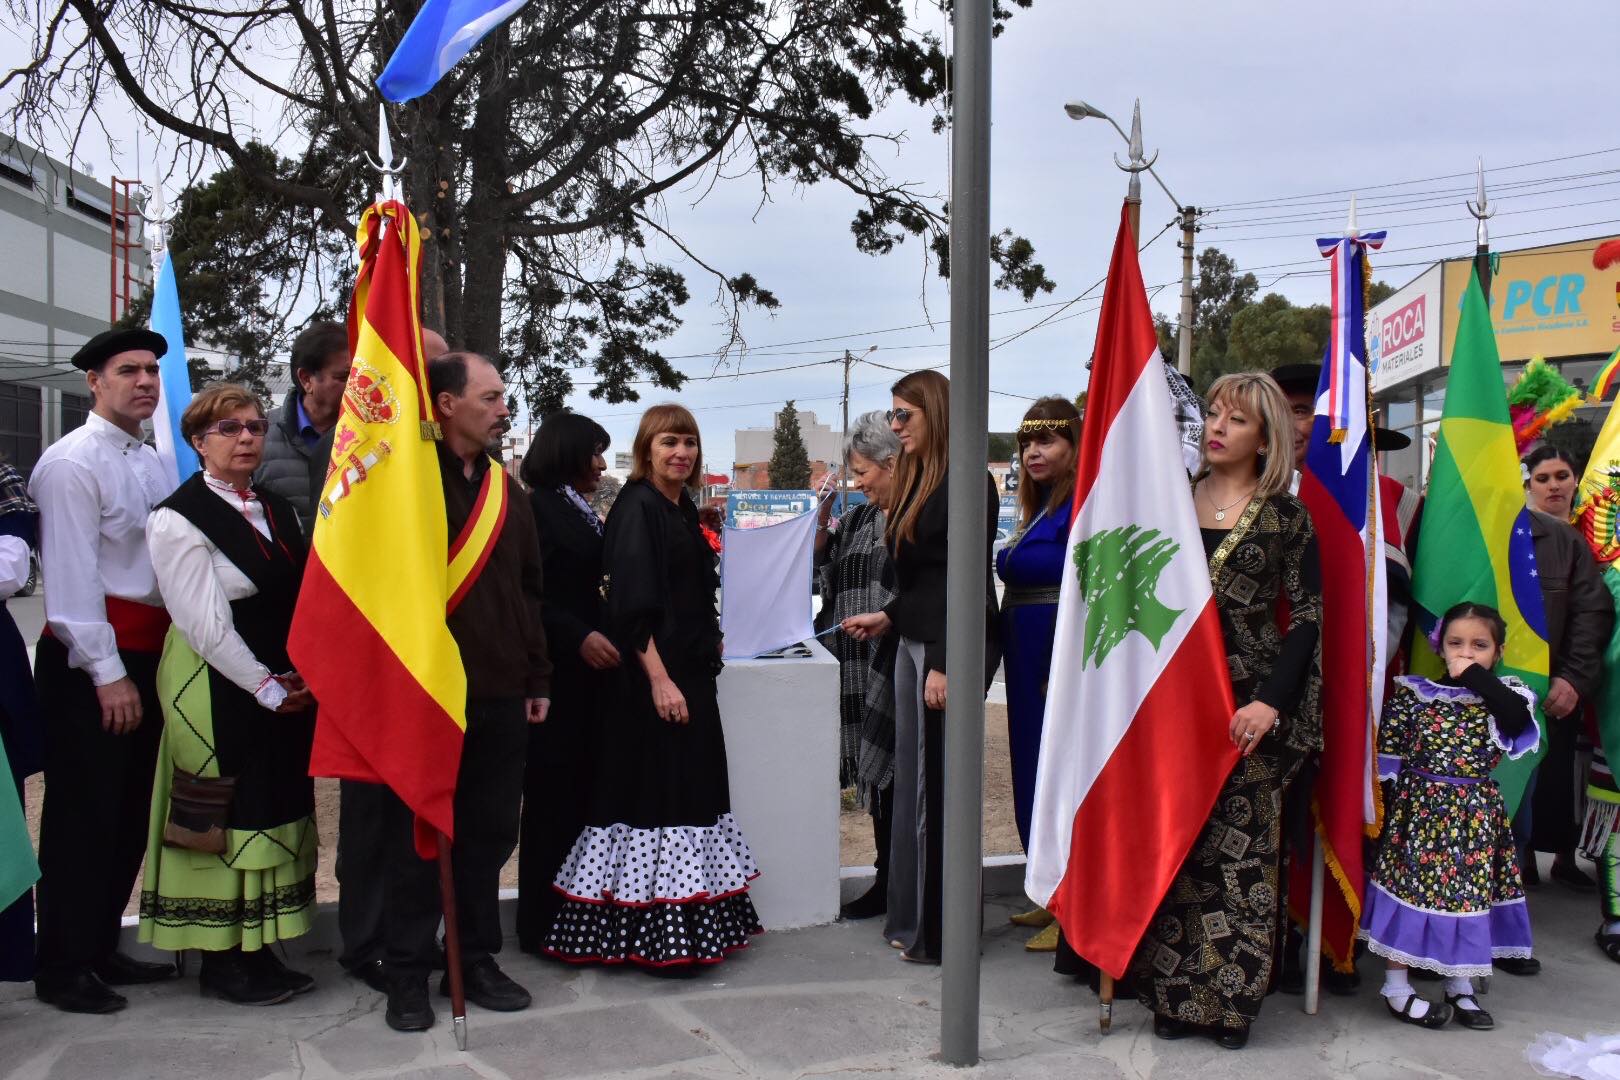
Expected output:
(659, 875)
(914, 621)
(1204, 964)
(563, 468)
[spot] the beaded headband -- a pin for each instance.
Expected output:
(1031, 427)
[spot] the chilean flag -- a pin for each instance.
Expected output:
(1339, 486)
(1135, 748)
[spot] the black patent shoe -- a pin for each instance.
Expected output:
(120, 970)
(1476, 1018)
(237, 979)
(1436, 1017)
(870, 904)
(408, 1007)
(81, 993)
(296, 981)
(1169, 1028)
(488, 987)
(1231, 1038)
(1517, 965)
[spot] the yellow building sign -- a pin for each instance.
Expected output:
(1547, 301)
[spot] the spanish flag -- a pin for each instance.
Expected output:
(369, 634)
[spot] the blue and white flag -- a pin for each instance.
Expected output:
(179, 459)
(441, 34)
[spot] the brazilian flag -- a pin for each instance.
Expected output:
(1475, 543)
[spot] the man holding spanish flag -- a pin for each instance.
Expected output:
(418, 626)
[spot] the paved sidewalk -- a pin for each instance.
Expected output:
(827, 1001)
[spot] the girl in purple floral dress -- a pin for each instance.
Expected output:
(1445, 893)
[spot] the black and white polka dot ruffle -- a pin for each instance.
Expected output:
(672, 865)
(656, 935)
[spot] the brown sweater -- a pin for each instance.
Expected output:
(497, 624)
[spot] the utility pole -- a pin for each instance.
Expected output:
(843, 436)
(1189, 226)
(965, 572)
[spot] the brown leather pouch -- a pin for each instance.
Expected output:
(199, 812)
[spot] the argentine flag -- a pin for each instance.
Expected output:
(179, 459)
(441, 34)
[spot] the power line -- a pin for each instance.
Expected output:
(1276, 200)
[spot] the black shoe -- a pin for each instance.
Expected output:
(1436, 1017)
(372, 973)
(81, 993)
(120, 970)
(870, 904)
(1529, 872)
(1232, 1038)
(1573, 877)
(1341, 983)
(487, 986)
(271, 965)
(1169, 1028)
(1517, 965)
(408, 1007)
(234, 977)
(1476, 1018)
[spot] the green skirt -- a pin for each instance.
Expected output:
(262, 889)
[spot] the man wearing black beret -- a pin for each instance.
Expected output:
(96, 674)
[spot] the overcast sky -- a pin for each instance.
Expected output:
(1247, 103)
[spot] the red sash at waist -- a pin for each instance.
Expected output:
(138, 627)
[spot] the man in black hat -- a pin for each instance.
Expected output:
(96, 674)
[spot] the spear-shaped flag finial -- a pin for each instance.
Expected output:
(1480, 207)
(384, 161)
(1138, 163)
(1350, 228)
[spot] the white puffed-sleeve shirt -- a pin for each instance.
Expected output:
(199, 583)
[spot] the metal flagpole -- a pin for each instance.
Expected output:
(1482, 210)
(1313, 938)
(967, 563)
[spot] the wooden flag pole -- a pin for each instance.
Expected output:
(452, 943)
(1105, 1002)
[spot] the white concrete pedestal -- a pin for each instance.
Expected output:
(781, 724)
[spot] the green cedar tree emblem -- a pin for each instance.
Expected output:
(1119, 573)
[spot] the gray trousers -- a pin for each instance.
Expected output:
(914, 846)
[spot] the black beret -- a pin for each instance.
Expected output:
(109, 343)
(1298, 378)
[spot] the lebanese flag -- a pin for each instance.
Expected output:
(1135, 746)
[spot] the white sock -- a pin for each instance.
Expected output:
(1398, 991)
(1463, 989)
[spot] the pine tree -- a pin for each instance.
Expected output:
(790, 462)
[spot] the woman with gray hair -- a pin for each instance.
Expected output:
(852, 566)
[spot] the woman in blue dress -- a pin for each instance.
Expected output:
(1031, 567)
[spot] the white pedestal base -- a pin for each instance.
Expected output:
(781, 724)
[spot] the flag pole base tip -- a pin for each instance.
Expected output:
(459, 1023)
(1105, 1017)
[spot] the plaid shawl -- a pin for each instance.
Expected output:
(854, 580)
(14, 492)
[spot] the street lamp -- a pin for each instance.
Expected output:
(1080, 110)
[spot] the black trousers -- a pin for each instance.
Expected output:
(98, 795)
(556, 798)
(362, 869)
(489, 792)
(1553, 824)
(929, 929)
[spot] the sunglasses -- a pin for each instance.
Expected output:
(232, 428)
(902, 415)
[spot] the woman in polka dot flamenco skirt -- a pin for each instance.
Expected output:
(659, 876)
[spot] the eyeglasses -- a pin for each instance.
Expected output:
(902, 415)
(232, 428)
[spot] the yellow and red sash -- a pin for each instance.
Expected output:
(470, 551)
